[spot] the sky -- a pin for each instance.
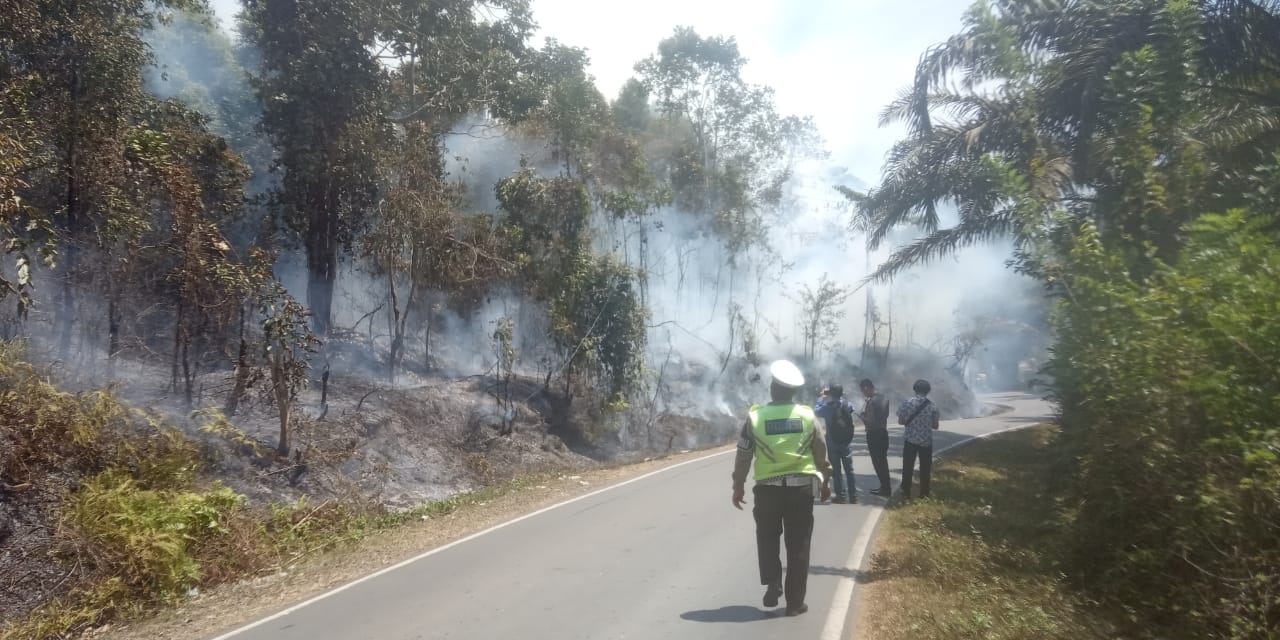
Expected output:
(839, 61)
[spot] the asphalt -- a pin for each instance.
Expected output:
(665, 556)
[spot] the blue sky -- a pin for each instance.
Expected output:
(837, 60)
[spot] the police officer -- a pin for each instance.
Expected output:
(786, 442)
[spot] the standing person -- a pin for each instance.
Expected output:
(875, 418)
(837, 415)
(920, 417)
(785, 442)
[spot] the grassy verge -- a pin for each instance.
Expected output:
(982, 559)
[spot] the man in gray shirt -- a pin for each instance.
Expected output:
(875, 417)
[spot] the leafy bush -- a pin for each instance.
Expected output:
(134, 524)
(146, 537)
(1170, 388)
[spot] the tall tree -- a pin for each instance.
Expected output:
(321, 87)
(821, 312)
(573, 112)
(731, 123)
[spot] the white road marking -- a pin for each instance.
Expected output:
(838, 613)
(455, 543)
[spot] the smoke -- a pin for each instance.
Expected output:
(701, 299)
(703, 302)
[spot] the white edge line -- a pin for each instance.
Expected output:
(455, 543)
(838, 613)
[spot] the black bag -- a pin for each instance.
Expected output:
(922, 407)
(841, 425)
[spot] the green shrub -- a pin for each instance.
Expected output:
(146, 537)
(1170, 388)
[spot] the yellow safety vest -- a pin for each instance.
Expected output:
(783, 436)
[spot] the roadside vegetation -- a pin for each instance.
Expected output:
(986, 558)
(124, 502)
(1128, 149)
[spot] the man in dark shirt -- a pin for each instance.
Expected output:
(875, 417)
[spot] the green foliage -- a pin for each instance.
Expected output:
(732, 150)
(1098, 134)
(1114, 113)
(597, 319)
(146, 536)
(81, 609)
(574, 111)
(287, 340)
(550, 218)
(200, 65)
(22, 228)
(453, 58)
(1169, 391)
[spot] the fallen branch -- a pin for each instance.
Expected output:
(363, 397)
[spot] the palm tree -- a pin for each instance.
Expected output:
(1041, 113)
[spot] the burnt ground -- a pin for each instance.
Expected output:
(371, 442)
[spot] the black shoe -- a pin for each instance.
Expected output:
(839, 500)
(771, 596)
(853, 498)
(883, 492)
(797, 610)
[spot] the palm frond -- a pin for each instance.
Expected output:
(944, 242)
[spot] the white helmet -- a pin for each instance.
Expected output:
(786, 374)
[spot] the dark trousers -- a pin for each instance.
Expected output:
(841, 469)
(785, 512)
(878, 448)
(909, 452)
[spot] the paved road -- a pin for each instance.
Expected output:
(663, 557)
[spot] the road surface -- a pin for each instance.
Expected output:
(666, 556)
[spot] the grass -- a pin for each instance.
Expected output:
(983, 557)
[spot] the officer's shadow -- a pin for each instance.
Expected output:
(734, 613)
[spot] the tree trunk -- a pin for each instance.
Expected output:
(188, 379)
(177, 348)
(322, 270)
(71, 253)
(888, 342)
(280, 386)
(241, 372)
(113, 337)
(426, 341)
(644, 264)
(393, 327)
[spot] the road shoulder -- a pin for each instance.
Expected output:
(977, 561)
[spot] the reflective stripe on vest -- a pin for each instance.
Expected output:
(784, 440)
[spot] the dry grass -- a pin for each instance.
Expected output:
(980, 559)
